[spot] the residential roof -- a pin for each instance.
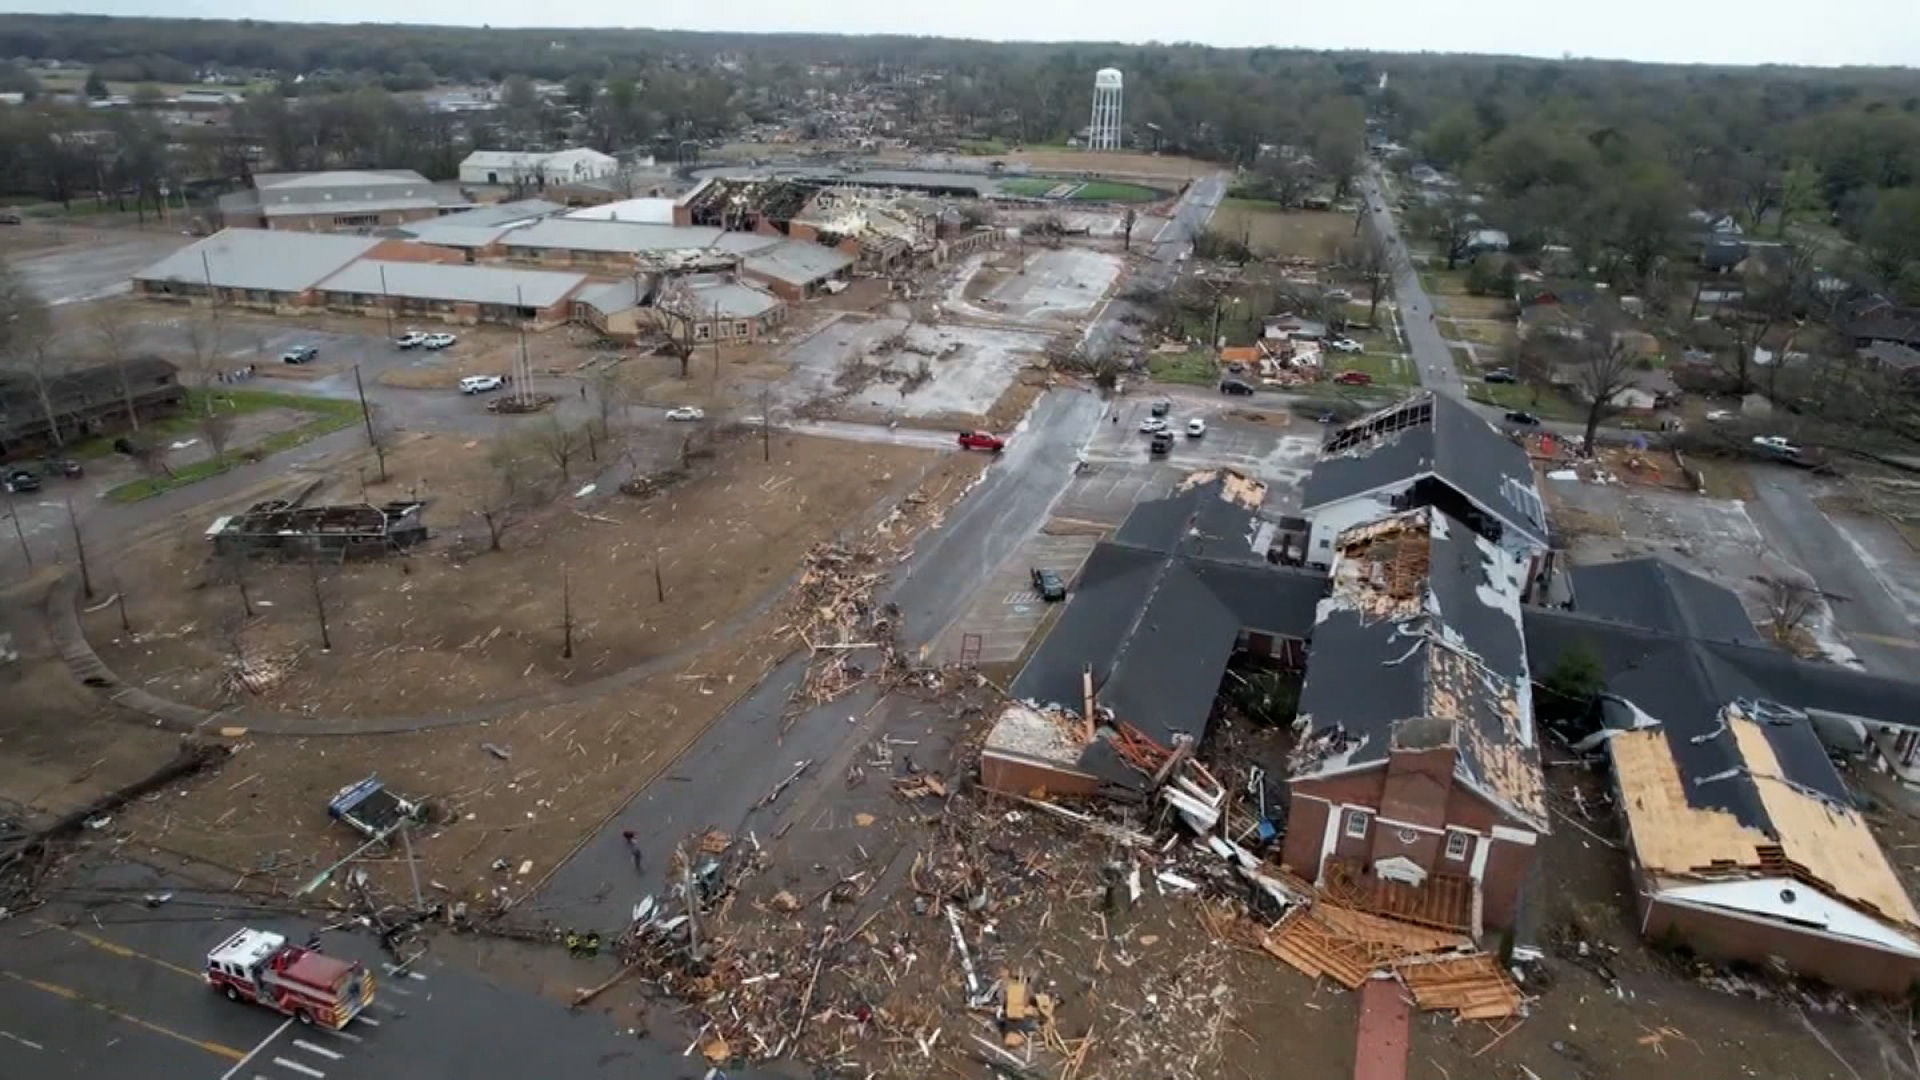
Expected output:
(1156, 611)
(571, 234)
(497, 285)
(1419, 645)
(798, 262)
(729, 299)
(288, 262)
(1430, 435)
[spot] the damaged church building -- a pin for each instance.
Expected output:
(1415, 786)
(1413, 781)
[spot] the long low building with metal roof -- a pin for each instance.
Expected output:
(457, 293)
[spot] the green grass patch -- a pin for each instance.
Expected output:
(324, 416)
(1242, 202)
(1385, 368)
(1543, 401)
(1192, 368)
(1463, 361)
(983, 147)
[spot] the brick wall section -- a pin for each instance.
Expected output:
(785, 290)
(410, 252)
(1842, 964)
(1306, 824)
(1501, 883)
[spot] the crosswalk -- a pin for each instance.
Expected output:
(293, 1052)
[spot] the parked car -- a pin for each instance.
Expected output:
(412, 339)
(1501, 375)
(1152, 425)
(1524, 419)
(1160, 408)
(1196, 427)
(438, 341)
(1353, 378)
(1048, 584)
(299, 354)
(22, 480)
(980, 440)
(11, 217)
(686, 412)
(1346, 345)
(1236, 388)
(66, 467)
(480, 384)
(1162, 442)
(1776, 443)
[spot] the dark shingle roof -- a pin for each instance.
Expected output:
(1157, 610)
(1657, 595)
(1430, 434)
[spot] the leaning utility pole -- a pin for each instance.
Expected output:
(366, 417)
(566, 615)
(25, 551)
(319, 602)
(79, 549)
(766, 431)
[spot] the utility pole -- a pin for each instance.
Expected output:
(319, 602)
(716, 341)
(386, 304)
(120, 594)
(366, 417)
(659, 582)
(80, 549)
(566, 615)
(523, 382)
(14, 513)
(766, 429)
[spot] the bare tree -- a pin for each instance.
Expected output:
(1789, 605)
(1127, 221)
(316, 583)
(609, 397)
(506, 493)
(679, 320)
(24, 333)
(113, 328)
(1366, 258)
(1449, 223)
(1603, 367)
(561, 443)
(212, 414)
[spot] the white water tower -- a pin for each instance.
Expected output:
(1104, 134)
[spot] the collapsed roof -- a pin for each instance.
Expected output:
(1418, 646)
(1430, 435)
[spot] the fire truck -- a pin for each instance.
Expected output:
(306, 984)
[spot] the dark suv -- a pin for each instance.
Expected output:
(1236, 387)
(1048, 584)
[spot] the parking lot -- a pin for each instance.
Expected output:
(1005, 613)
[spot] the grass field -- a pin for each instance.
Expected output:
(1386, 369)
(1193, 368)
(1543, 402)
(1301, 234)
(325, 416)
(1448, 288)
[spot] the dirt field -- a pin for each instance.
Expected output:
(454, 624)
(1300, 234)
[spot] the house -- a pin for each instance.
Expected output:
(795, 270)
(1483, 240)
(1898, 362)
(535, 299)
(1155, 615)
(340, 201)
(1428, 450)
(1743, 841)
(1874, 319)
(1417, 778)
(535, 168)
(84, 402)
(255, 267)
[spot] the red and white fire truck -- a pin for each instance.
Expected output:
(310, 986)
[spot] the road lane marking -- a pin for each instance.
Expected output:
(116, 949)
(28, 1043)
(57, 990)
(242, 1063)
(394, 988)
(321, 1050)
(347, 1035)
(367, 1020)
(417, 976)
(299, 1068)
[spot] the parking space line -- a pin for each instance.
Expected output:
(299, 1068)
(363, 1018)
(392, 988)
(28, 1043)
(310, 1048)
(347, 1035)
(77, 998)
(262, 1045)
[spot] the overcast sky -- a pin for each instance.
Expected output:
(1829, 32)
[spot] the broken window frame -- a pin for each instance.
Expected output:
(1466, 845)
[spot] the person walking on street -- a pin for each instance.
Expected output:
(633, 848)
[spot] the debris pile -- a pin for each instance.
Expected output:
(838, 619)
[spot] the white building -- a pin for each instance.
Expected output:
(538, 169)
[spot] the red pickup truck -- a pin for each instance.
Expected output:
(980, 440)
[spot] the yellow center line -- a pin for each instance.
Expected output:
(214, 1048)
(117, 949)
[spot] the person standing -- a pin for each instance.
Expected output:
(633, 848)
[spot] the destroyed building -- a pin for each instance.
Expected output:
(334, 532)
(1427, 450)
(1417, 775)
(1743, 840)
(85, 401)
(1156, 614)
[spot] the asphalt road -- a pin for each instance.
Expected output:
(1874, 623)
(97, 985)
(724, 777)
(1431, 360)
